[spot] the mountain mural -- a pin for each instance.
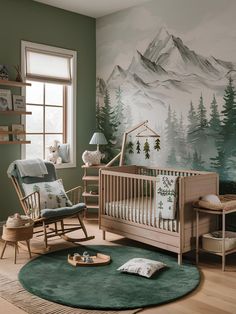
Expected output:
(183, 94)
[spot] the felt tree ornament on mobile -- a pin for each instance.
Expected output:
(146, 149)
(138, 148)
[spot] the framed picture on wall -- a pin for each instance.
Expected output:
(4, 136)
(18, 132)
(18, 103)
(5, 100)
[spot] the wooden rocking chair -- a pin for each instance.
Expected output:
(45, 218)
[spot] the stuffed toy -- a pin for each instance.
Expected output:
(53, 155)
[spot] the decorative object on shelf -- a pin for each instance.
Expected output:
(4, 136)
(4, 72)
(18, 132)
(19, 103)
(94, 157)
(98, 138)
(5, 100)
(53, 154)
(18, 71)
(146, 149)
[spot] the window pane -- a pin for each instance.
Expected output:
(34, 122)
(34, 93)
(49, 141)
(35, 149)
(53, 120)
(54, 94)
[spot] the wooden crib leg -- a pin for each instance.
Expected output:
(180, 258)
(103, 234)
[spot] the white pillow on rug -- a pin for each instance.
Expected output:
(141, 266)
(52, 194)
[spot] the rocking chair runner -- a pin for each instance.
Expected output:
(46, 217)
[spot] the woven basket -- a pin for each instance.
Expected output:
(17, 234)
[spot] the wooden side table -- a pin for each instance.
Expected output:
(222, 213)
(13, 235)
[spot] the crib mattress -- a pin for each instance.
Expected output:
(142, 211)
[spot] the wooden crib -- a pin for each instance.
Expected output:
(127, 206)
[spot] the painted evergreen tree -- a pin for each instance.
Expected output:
(214, 123)
(120, 119)
(201, 133)
(226, 143)
(169, 127)
(108, 126)
(181, 141)
(197, 163)
(192, 126)
(228, 130)
(202, 115)
(171, 160)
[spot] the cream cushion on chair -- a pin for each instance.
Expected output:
(141, 266)
(52, 194)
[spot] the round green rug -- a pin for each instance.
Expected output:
(103, 287)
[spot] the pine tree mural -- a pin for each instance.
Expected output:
(108, 126)
(192, 126)
(181, 142)
(214, 123)
(171, 160)
(226, 142)
(201, 115)
(201, 133)
(197, 163)
(120, 119)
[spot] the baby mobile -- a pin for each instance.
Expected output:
(146, 133)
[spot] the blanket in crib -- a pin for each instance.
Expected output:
(166, 196)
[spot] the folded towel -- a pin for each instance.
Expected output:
(29, 168)
(166, 190)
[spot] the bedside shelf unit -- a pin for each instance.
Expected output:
(14, 113)
(91, 186)
(199, 249)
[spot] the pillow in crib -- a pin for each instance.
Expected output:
(141, 266)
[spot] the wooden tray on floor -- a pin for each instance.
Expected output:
(98, 260)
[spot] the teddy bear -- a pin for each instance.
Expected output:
(53, 155)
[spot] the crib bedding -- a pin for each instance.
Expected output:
(142, 211)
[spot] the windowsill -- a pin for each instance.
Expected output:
(65, 165)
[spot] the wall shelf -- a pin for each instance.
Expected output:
(15, 142)
(12, 112)
(14, 83)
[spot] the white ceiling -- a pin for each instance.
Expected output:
(93, 8)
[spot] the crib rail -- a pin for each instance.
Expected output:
(129, 193)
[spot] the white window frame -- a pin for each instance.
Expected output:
(71, 109)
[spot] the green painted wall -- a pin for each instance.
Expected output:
(32, 21)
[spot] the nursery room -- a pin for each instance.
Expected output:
(117, 167)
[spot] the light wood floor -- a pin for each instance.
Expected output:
(216, 293)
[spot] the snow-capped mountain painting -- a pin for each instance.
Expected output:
(187, 96)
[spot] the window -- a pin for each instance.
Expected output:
(50, 98)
